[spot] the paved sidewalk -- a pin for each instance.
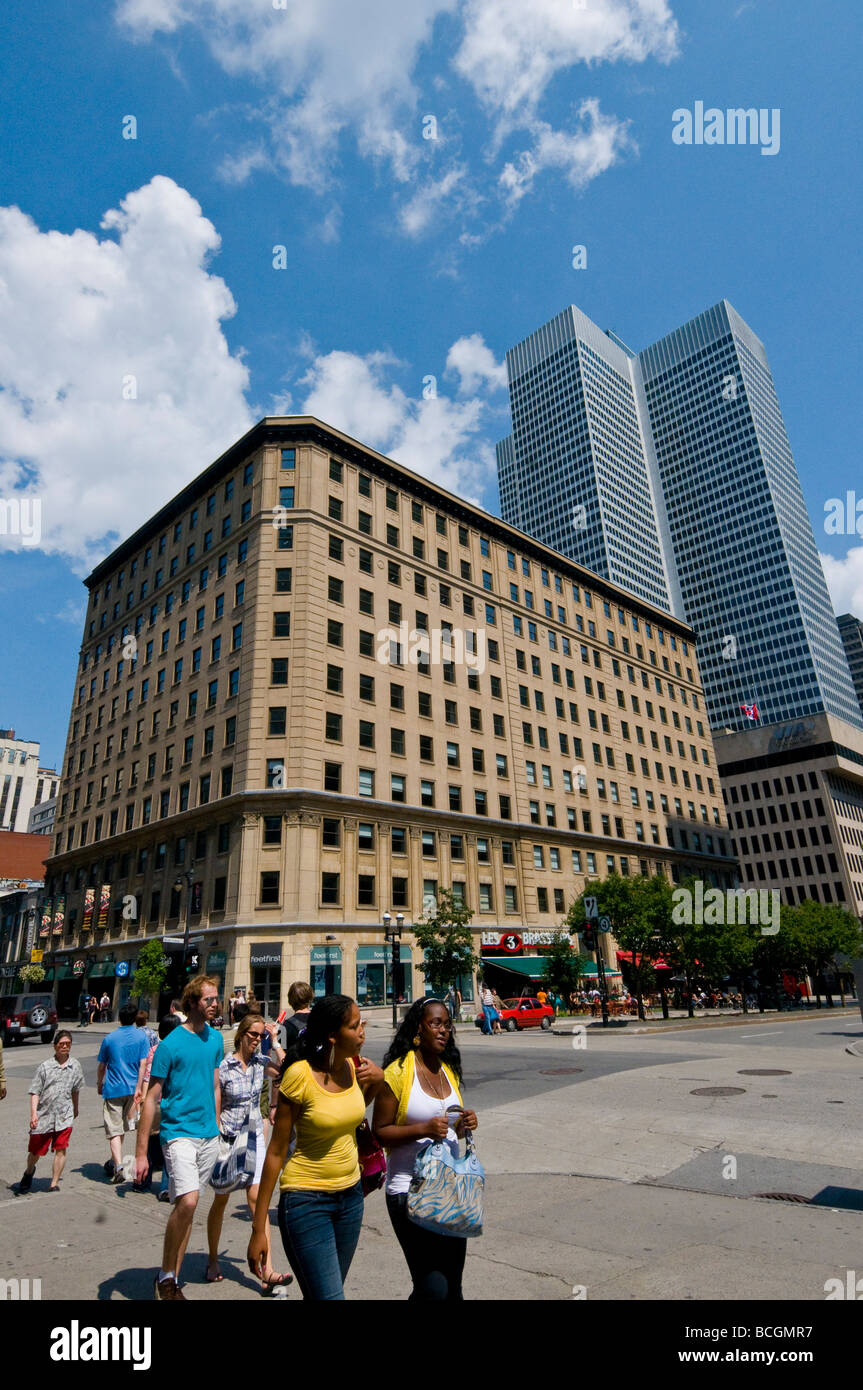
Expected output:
(615, 1184)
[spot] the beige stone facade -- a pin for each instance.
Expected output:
(242, 706)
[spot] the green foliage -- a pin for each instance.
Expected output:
(810, 937)
(32, 974)
(640, 912)
(150, 972)
(563, 965)
(447, 942)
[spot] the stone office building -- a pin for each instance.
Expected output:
(794, 800)
(316, 687)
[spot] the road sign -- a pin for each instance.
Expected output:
(591, 908)
(604, 924)
(36, 957)
(121, 969)
(172, 940)
(196, 940)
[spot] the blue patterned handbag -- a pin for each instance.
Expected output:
(446, 1193)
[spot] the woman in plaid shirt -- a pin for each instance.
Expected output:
(241, 1078)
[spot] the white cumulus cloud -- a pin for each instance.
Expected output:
(581, 155)
(511, 51)
(117, 385)
(336, 69)
(474, 362)
(442, 439)
(845, 581)
(333, 65)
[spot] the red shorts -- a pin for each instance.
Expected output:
(52, 1139)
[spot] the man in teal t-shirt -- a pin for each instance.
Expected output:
(185, 1077)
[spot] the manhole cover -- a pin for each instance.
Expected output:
(559, 1071)
(782, 1197)
(719, 1091)
(763, 1071)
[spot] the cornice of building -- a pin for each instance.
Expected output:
(277, 431)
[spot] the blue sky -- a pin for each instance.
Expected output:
(302, 127)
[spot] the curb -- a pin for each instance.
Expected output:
(678, 1025)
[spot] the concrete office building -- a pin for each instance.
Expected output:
(255, 716)
(692, 422)
(23, 783)
(794, 800)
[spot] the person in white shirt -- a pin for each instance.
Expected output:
(421, 1104)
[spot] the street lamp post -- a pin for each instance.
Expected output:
(392, 934)
(189, 876)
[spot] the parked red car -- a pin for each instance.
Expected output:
(523, 1013)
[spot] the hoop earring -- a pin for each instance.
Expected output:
(417, 1040)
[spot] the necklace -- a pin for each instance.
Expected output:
(438, 1095)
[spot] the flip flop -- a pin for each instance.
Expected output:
(276, 1281)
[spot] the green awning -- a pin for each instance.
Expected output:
(102, 967)
(532, 966)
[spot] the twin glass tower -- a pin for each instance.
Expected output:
(669, 472)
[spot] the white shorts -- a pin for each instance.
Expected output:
(189, 1163)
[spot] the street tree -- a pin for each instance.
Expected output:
(563, 965)
(823, 931)
(639, 909)
(445, 938)
(150, 972)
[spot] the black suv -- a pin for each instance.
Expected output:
(28, 1016)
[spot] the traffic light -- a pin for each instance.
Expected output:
(588, 938)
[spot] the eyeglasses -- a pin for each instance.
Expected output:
(439, 1025)
(254, 1035)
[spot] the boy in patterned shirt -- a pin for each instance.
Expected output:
(53, 1106)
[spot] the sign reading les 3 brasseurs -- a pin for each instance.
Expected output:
(515, 941)
(502, 941)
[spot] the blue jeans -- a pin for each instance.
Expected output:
(320, 1233)
(487, 1011)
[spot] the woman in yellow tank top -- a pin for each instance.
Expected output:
(325, 1088)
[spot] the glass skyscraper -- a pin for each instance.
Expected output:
(684, 445)
(574, 471)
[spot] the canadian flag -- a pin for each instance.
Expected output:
(751, 711)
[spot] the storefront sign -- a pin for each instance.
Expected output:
(322, 954)
(514, 941)
(269, 953)
(217, 960)
(78, 967)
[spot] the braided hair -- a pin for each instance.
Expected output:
(403, 1041)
